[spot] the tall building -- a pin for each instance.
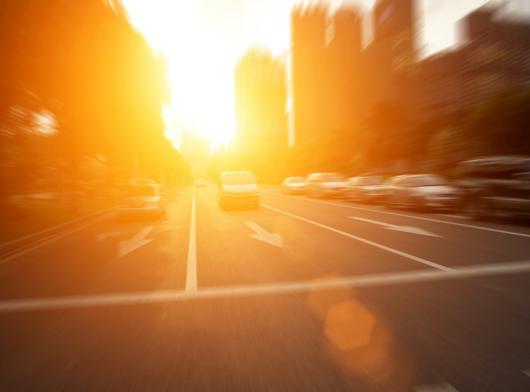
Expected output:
(494, 53)
(260, 103)
(390, 58)
(308, 71)
(344, 93)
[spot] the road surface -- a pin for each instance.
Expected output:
(299, 295)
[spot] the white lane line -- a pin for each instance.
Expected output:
(373, 280)
(382, 211)
(403, 229)
(49, 239)
(363, 240)
(191, 272)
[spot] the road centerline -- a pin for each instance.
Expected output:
(191, 271)
(363, 240)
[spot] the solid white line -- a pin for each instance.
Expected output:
(49, 239)
(381, 211)
(373, 280)
(191, 273)
(363, 240)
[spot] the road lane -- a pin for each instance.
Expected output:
(104, 258)
(451, 246)
(228, 252)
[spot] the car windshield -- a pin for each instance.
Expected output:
(238, 178)
(426, 181)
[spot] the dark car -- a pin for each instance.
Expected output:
(422, 192)
(497, 185)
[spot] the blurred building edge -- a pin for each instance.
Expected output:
(260, 104)
(334, 80)
(494, 54)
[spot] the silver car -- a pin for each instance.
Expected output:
(294, 185)
(143, 199)
(366, 189)
(422, 192)
(326, 185)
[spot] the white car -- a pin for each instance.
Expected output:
(421, 191)
(143, 199)
(326, 185)
(238, 188)
(294, 185)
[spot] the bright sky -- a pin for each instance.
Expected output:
(202, 41)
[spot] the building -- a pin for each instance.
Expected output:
(494, 54)
(390, 58)
(308, 72)
(260, 103)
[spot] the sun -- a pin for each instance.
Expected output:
(202, 42)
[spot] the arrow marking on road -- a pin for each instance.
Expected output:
(261, 234)
(404, 229)
(136, 242)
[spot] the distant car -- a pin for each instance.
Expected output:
(294, 185)
(365, 188)
(496, 185)
(422, 192)
(143, 198)
(201, 183)
(326, 185)
(238, 188)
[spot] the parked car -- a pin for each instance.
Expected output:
(238, 189)
(497, 185)
(294, 185)
(143, 198)
(326, 185)
(422, 192)
(365, 188)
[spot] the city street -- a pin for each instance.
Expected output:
(299, 295)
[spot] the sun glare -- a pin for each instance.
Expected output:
(202, 42)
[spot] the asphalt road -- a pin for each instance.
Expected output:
(299, 295)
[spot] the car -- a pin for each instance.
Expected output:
(201, 183)
(238, 189)
(496, 185)
(143, 198)
(294, 185)
(326, 185)
(365, 189)
(422, 192)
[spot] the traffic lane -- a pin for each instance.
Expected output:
(394, 338)
(444, 244)
(153, 254)
(245, 247)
